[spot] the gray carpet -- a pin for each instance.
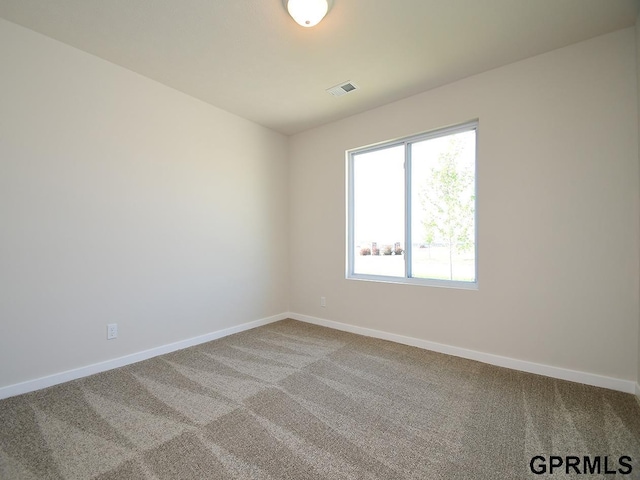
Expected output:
(296, 401)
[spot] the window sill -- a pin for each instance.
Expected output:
(460, 285)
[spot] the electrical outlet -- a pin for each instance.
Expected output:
(112, 331)
(323, 301)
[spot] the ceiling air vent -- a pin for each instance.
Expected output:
(342, 89)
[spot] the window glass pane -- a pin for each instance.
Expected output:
(378, 212)
(443, 207)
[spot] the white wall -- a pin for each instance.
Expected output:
(558, 213)
(122, 200)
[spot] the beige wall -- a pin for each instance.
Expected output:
(122, 200)
(558, 212)
(638, 85)
(125, 201)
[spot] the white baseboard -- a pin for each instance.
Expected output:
(540, 369)
(610, 383)
(57, 378)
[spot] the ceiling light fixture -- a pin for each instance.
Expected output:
(308, 13)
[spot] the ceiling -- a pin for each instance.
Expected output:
(250, 58)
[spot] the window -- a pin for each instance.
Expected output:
(412, 209)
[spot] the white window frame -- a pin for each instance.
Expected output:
(408, 279)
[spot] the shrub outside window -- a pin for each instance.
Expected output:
(412, 209)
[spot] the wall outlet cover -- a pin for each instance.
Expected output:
(112, 331)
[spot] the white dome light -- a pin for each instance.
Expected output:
(307, 13)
